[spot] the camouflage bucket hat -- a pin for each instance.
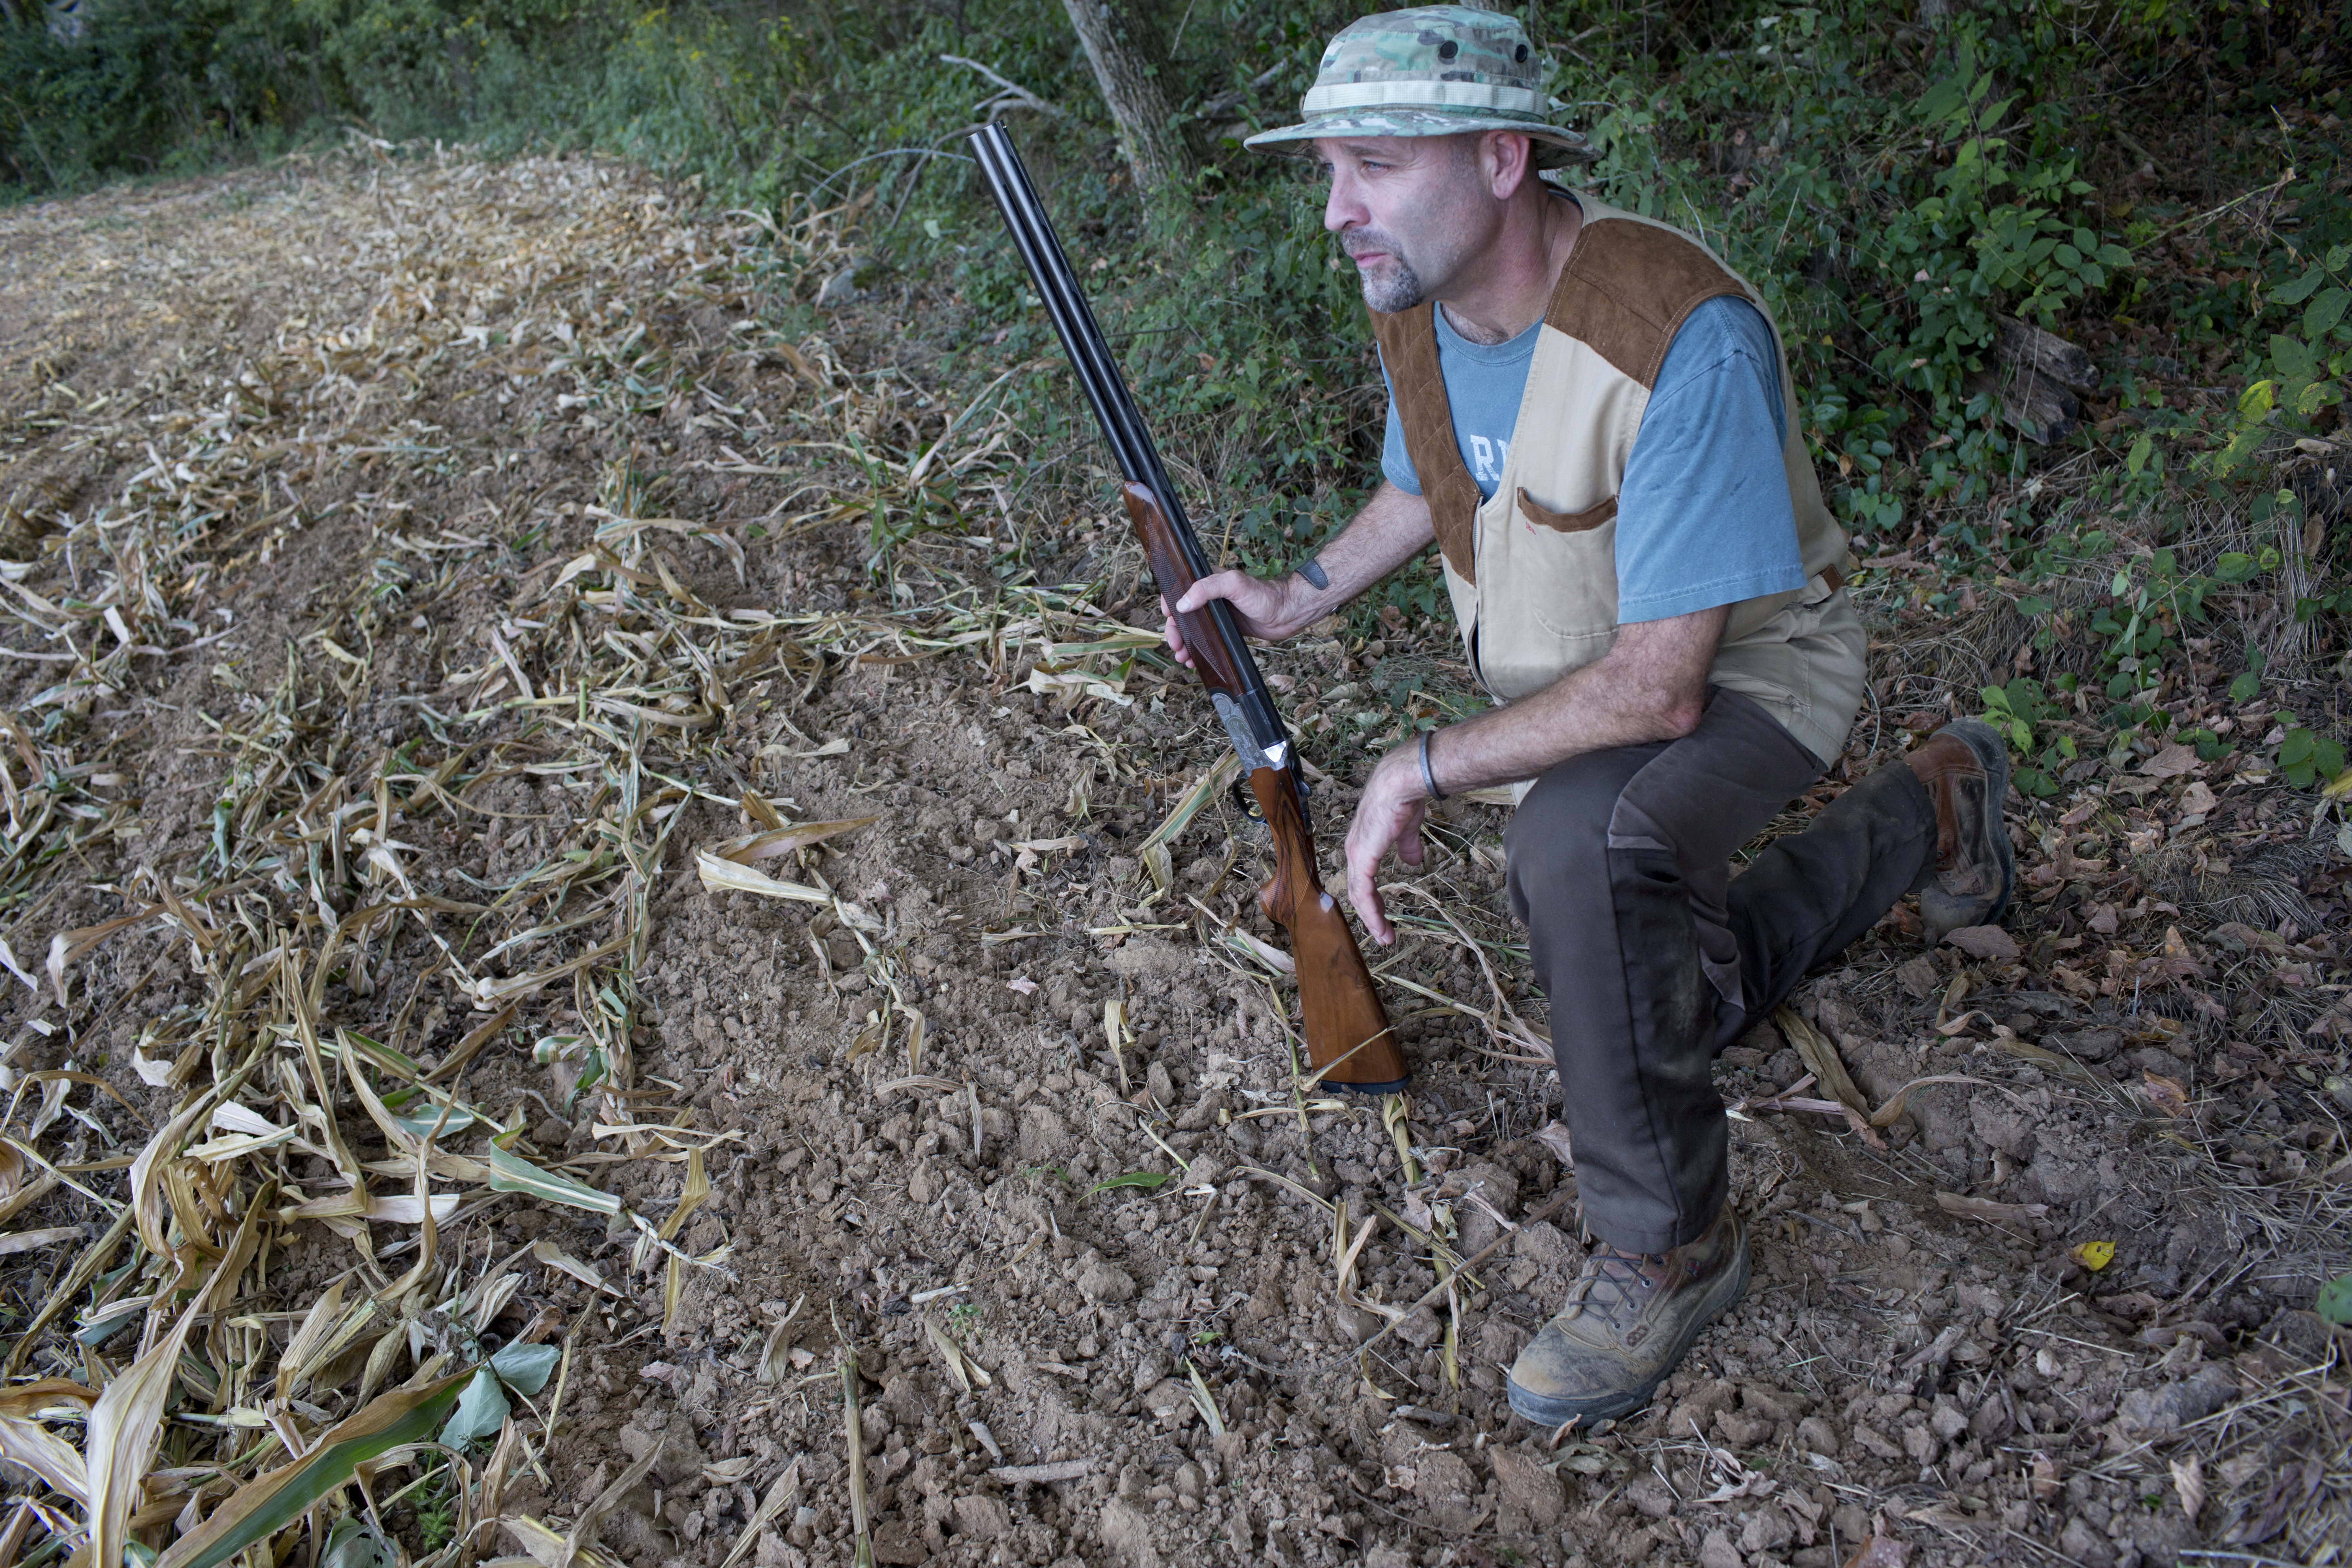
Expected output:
(1433, 71)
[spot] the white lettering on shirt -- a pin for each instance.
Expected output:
(1482, 465)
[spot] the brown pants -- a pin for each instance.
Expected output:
(1654, 957)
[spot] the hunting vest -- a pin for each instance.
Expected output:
(1533, 571)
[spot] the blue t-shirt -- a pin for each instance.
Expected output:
(1703, 516)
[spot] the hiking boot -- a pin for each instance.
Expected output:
(1628, 1319)
(1965, 766)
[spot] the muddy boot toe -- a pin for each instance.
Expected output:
(1628, 1319)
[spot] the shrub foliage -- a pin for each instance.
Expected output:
(2159, 181)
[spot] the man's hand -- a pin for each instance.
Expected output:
(1651, 686)
(1261, 606)
(1391, 530)
(1389, 817)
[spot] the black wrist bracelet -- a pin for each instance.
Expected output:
(1428, 777)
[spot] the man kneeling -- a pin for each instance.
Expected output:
(1591, 417)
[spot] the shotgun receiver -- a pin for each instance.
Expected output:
(1349, 1039)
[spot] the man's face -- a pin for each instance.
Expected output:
(1410, 210)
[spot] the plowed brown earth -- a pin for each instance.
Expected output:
(418, 562)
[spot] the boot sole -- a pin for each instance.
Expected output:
(1993, 753)
(1549, 1413)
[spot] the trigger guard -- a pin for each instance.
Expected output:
(1245, 799)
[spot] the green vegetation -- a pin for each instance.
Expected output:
(2160, 183)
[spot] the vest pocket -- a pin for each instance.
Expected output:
(1547, 599)
(1543, 516)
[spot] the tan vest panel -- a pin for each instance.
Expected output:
(1533, 571)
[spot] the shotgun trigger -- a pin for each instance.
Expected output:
(1245, 798)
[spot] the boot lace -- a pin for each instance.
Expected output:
(1613, 1284)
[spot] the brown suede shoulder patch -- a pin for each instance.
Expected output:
(1627, 287)
(1408, 340)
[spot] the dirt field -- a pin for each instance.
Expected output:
(435, 593)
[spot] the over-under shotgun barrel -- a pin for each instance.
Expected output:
(1344, 1024)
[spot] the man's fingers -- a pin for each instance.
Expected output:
(1175, 636)
(1227, 585)
(1365, 895)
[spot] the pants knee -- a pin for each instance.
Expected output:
(1556, 849)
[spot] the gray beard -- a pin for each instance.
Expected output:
(1401, 290)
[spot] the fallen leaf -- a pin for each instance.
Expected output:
(1984, 942)
(772, 842)
(2167, 1095)
(2093, 1255)
(2198, 799)
(2267, 941)
(1022, 983)
(1553, 1136)
(2171, 763)
(2045, 1477)
(2188, 1482)
(1988, 1211)
(2177, 959)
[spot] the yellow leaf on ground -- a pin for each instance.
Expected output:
(2093, 1255)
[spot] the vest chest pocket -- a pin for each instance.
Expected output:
(1584, 521)
(1547, 591)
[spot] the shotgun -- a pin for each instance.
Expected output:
(1349, 1039)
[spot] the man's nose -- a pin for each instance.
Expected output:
(1341, 209)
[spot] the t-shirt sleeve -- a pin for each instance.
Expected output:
(1704, 516)
(1396, 463)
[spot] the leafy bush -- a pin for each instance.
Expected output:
(1896, 190)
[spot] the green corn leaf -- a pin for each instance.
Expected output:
(419, 1126)
(1146, 1180)
(263, 1507)
(512, 1173)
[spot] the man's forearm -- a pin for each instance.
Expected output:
(1390, 530)
(1649, 686)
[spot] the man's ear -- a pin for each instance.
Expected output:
(1508, 160)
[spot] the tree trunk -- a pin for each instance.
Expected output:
(1131, 70)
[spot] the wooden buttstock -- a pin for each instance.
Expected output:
(1344, 1021)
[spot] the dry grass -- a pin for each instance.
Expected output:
(356, 812)
(331, 853)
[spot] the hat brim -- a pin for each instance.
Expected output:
(1393, 121)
